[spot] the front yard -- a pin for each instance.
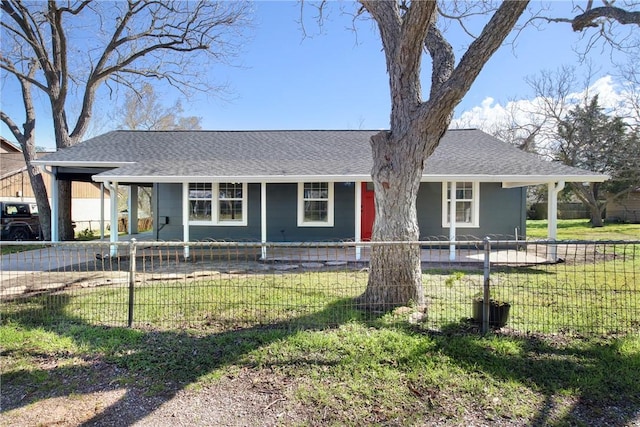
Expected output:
(353, 374)
(290, 348)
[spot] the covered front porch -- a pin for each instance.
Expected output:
(360, 251)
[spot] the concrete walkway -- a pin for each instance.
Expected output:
(65, 255)
(436, 256)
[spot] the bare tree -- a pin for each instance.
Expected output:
(69, 50)
(142, 110)
(416, 126)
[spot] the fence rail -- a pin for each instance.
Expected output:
(573, 287)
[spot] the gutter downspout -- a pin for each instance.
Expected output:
(102, 189)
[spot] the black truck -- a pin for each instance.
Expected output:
(19, 221)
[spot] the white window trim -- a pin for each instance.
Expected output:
(301, 221)
(475, 207)
(215, 208)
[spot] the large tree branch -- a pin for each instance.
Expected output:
(443, 58)
(403, 32)
(169, 31)
(478, 53)
(387, 15)
(7, 65)
(590, 16)
(29, 30)
(26, 134)
(13, 127)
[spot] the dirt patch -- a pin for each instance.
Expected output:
(98, 398)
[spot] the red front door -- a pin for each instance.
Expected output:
(368, 210)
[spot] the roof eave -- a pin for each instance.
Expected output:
(525, 179)
(80, 164)
(506, 180)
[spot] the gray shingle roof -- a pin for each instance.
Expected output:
(262, 155)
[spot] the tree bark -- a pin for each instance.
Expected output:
(416, 127)
(65, 226)
(395, 272)
(124, 49)
(588, 197)
(39, 190)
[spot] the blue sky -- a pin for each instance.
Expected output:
(335, 78)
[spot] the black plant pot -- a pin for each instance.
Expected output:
(498, 312)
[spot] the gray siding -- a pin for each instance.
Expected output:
(170, 205)
(282, 223)
(282, 215)
(501, 212)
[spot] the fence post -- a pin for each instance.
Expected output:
(486, 294)
(132, 279)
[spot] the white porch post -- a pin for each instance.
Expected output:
(132, 210)
(113, 235)
(552, 217)
(263, 219)
(54, 209)
(102, 210)
(185, 217)
(452, 221)
(358, 221)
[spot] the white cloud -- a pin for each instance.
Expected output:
(491, 115)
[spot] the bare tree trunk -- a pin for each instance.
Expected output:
(588, 197)
(395, 272)
(65, 228)
(416, 126)
(596, 216)
(42, 200)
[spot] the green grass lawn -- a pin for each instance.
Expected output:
(343, 366)
(352, 374)
(590, 298)
(580, 229)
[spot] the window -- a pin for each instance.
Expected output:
(315, 204)
(229, 208)
(466, 206)
(200, 201)
(230, 202)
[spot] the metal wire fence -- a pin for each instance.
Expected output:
(572, 287)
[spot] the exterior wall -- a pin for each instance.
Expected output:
(168, 201)
(282, 207)
(6, 147)
(626, 209)
(282, 219)
(502, 211)
(86, 213)
(19, 185)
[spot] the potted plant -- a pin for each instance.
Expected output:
(498, 312)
